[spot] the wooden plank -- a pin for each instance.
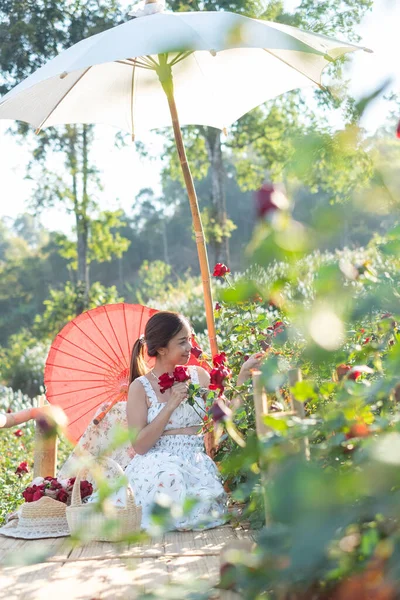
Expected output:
(99, 550)
(209, 541)
(108, 580)
(246, 534)
(186, 568)
(17, 551)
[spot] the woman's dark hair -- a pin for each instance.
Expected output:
(160, 329)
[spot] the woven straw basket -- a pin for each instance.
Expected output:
(121, 521)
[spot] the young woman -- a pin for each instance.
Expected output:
(170, 462)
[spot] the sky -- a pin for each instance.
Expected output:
(124, 172)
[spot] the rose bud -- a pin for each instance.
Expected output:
(220, 270)
(196, 351)
(358, 430)
(268, 199)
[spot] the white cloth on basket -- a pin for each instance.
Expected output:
(177, 468)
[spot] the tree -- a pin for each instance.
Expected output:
(23, 51)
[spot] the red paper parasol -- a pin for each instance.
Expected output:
(88, 362)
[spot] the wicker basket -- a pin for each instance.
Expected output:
(119, 522)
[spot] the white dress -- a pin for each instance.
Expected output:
(177, 468)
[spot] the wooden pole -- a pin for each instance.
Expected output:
(165, 75)
(261, 409)
(45, 452)
(298, 407)
(260, 403)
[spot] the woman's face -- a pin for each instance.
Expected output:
(179, 347)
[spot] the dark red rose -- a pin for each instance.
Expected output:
(28, 494)
(219, 359)
(22, 468)
(217, 306)
(62, 496)
(196, 351)
(219, 411)
(55, 485)
(268, 199)
(358, 430)
(71, 482)
(165, 381)
(220, 270)
(38, 493)
(217, 378)
(181, 374)
(278, 327)
(398, 130)
(18, 433)
(342, 370)
(397, 393)
(86, 489)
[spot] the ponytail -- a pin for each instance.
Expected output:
(138, 363)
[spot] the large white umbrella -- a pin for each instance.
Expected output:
(213, 67)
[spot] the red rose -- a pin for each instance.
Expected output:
(268, 199)
(196, 351)
(18, 433)
(220, 270)
(38, 492)
(181, 374)
(28, 494)
(22, 468)
(165, 382)
(355, 374)
(398, 130)
(217, 378)
(86, 489)
(342, 370)
(358, 430)
(219, 359)
(71, 482)
(217, 306)
(219, 411)
(62, 496)
(55, 485)
(278, 327)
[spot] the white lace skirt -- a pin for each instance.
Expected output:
(177, 469)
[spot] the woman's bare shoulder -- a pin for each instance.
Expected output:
(136, 389)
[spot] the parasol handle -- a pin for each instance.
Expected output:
(98, 419)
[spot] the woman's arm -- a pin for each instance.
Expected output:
(137, 415)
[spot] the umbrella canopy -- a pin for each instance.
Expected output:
(88, 363)
(223, 64)
(212, 66)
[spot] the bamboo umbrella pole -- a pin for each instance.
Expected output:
(165, 75)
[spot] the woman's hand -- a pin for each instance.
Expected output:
(179, 393)
(252, 364)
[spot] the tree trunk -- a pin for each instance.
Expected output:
(214, 149)
(81, 219)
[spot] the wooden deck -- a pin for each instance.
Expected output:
(101, 570)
